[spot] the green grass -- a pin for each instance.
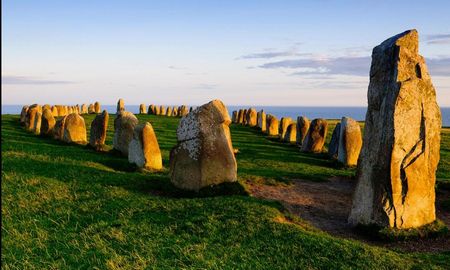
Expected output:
(67, 206)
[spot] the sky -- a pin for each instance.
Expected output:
(281, 53)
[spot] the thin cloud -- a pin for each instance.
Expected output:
(176, 68)
(268, 55)
(7, 79)
(438, 39)
(205, 86)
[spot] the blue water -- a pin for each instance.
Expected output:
(357, 113)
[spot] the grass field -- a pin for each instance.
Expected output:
(67, 206)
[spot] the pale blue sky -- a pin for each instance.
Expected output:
(297, 53)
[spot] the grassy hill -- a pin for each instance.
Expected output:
(67, 206)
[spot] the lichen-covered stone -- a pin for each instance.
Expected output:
(204, 153)
(74, 129)
(143, 149)
(400, 153)
(47, 122)
(124, 125)
(99, 127)
(350, 142)
(316, 136)
(302, 129)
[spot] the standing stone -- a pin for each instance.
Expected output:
(142, 109)
(120, 106)
(262, 120)
(204, 153)
(284, 123)
(124, 125)
(156, 110)
(23, 114)
(400, 153)
(169, 111)
(241, 116)
(244, 117)
(91, 109)
(97, 107)
(234, 117)
(37, 123)
(302, 129)
(162, 110)
(47, 122)
(46, 106)
(30, 118)
(350, 142)
(183, 111)
(334, 142)
(315, 138)
(174, 111)
(58, 130)
(272, 125)
(291, 133)
(54, 111)
(251, 117)
(150, 109)
(99, 127)
(143, 149)
(84, 109)
(74, 129)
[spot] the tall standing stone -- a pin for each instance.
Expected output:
(204, 153)
(47, 122)
(37, 123)
(302, 129)
(142, 109)
(261, 122)
(143, 149)
(74, 129)
(240, 117)
(291, 133)
(84, 109)
(91, 109)
(54, 111)
(124, 125)
(169, 111)
(251, 117)
(284, 123)
(58, 130)
(315, 138)
(175, 111)
(30, 119)
(244, 117)
(272, 125)
(97, 107)
(350, 142)
(333, 147)
(234, 117)
(23, 114)
(99, 127)
(120, 105)
(400, 153)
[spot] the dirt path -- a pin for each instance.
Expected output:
(326, 205)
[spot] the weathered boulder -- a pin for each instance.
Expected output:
(350, 142)
(120, 106)
(284, 123)
(74, 129)
(47, 122)
(124, 125)
(316, 136)
(261, 121)
(142, 109)
(400, 153)
(204, 153)
(272, 125)
(99, 127)
(302, 129)
(97, 107)
(291, 133)
(143, 149)
(23, 114)
(251, 117)
(30, 118)
(334, 142)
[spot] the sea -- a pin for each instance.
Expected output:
(357, 113)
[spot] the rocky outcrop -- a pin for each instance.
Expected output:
(143, 149)
(124, 125)
(316, 136)
(99, 127)
(204, 153)
(400, 153)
